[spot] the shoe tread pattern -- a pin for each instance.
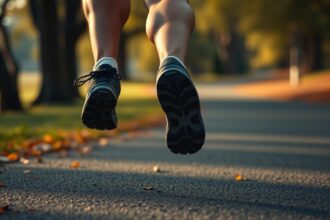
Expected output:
(99, 110)
(179, 100)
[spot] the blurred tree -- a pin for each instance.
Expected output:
(202, 55)
(301, 24)
(133, 28)
(268, 29)
(60, 24)
(9, 95)
(219, 18)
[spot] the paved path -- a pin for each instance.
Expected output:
(282, 149)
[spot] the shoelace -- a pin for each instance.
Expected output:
(94, 74)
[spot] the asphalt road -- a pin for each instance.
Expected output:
(281, 150)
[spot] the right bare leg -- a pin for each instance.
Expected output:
(169, 26)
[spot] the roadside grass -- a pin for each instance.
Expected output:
(137, 103)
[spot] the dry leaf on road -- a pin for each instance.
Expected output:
(48, 138)
(88, 208)
(103, 142)
(12, 157)
(75, 164)
(86, 150)
(156, 169)
(239, 178)
(43, 147)
(148, 188)
(4, 209)
(27, 171)
(24, 161)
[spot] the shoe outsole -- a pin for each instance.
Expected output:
(99, 110)
(179, 100)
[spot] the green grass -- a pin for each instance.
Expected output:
(50, 119)
(137, 101)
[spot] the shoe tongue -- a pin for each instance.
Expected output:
(104, 66)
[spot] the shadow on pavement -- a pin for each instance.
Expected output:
(225, 157)
(216, 195)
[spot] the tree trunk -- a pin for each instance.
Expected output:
(8, 89)
(52, 90)
(230, 51)
(236, 57)
(312, 53)
(9, 94)
(72, 31)
(58, 49)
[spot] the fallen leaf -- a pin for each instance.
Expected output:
(103, 142)
(24, 161)
(12, 157)
(80, 139)
(58, 145)
(156, 169)
(4, 159)
(87, 209)
(75, 164)
(31, 143)
(2, 184)
(36, 153)
(27, 171)
(239, 178)
(85, 133)
(148, 188)
(86, 150)
(43, 147)
(4, 209)
(47, 138)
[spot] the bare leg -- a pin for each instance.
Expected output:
(169, 26)
(106, 19)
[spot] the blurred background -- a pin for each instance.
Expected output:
(50, 39)
(45, 46)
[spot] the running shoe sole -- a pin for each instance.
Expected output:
(99, 110)
(179, 100)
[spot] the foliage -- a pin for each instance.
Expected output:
(135, 110)
(267, 26)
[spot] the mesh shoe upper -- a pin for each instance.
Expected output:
(98, 111)
(105, 77)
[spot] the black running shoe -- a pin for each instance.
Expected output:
(99, 108)
(179, 100)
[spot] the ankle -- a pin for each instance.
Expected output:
(106, 61)
(174, 57)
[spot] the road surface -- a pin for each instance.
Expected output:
(280, 150)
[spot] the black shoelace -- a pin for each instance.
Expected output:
(112, 73)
